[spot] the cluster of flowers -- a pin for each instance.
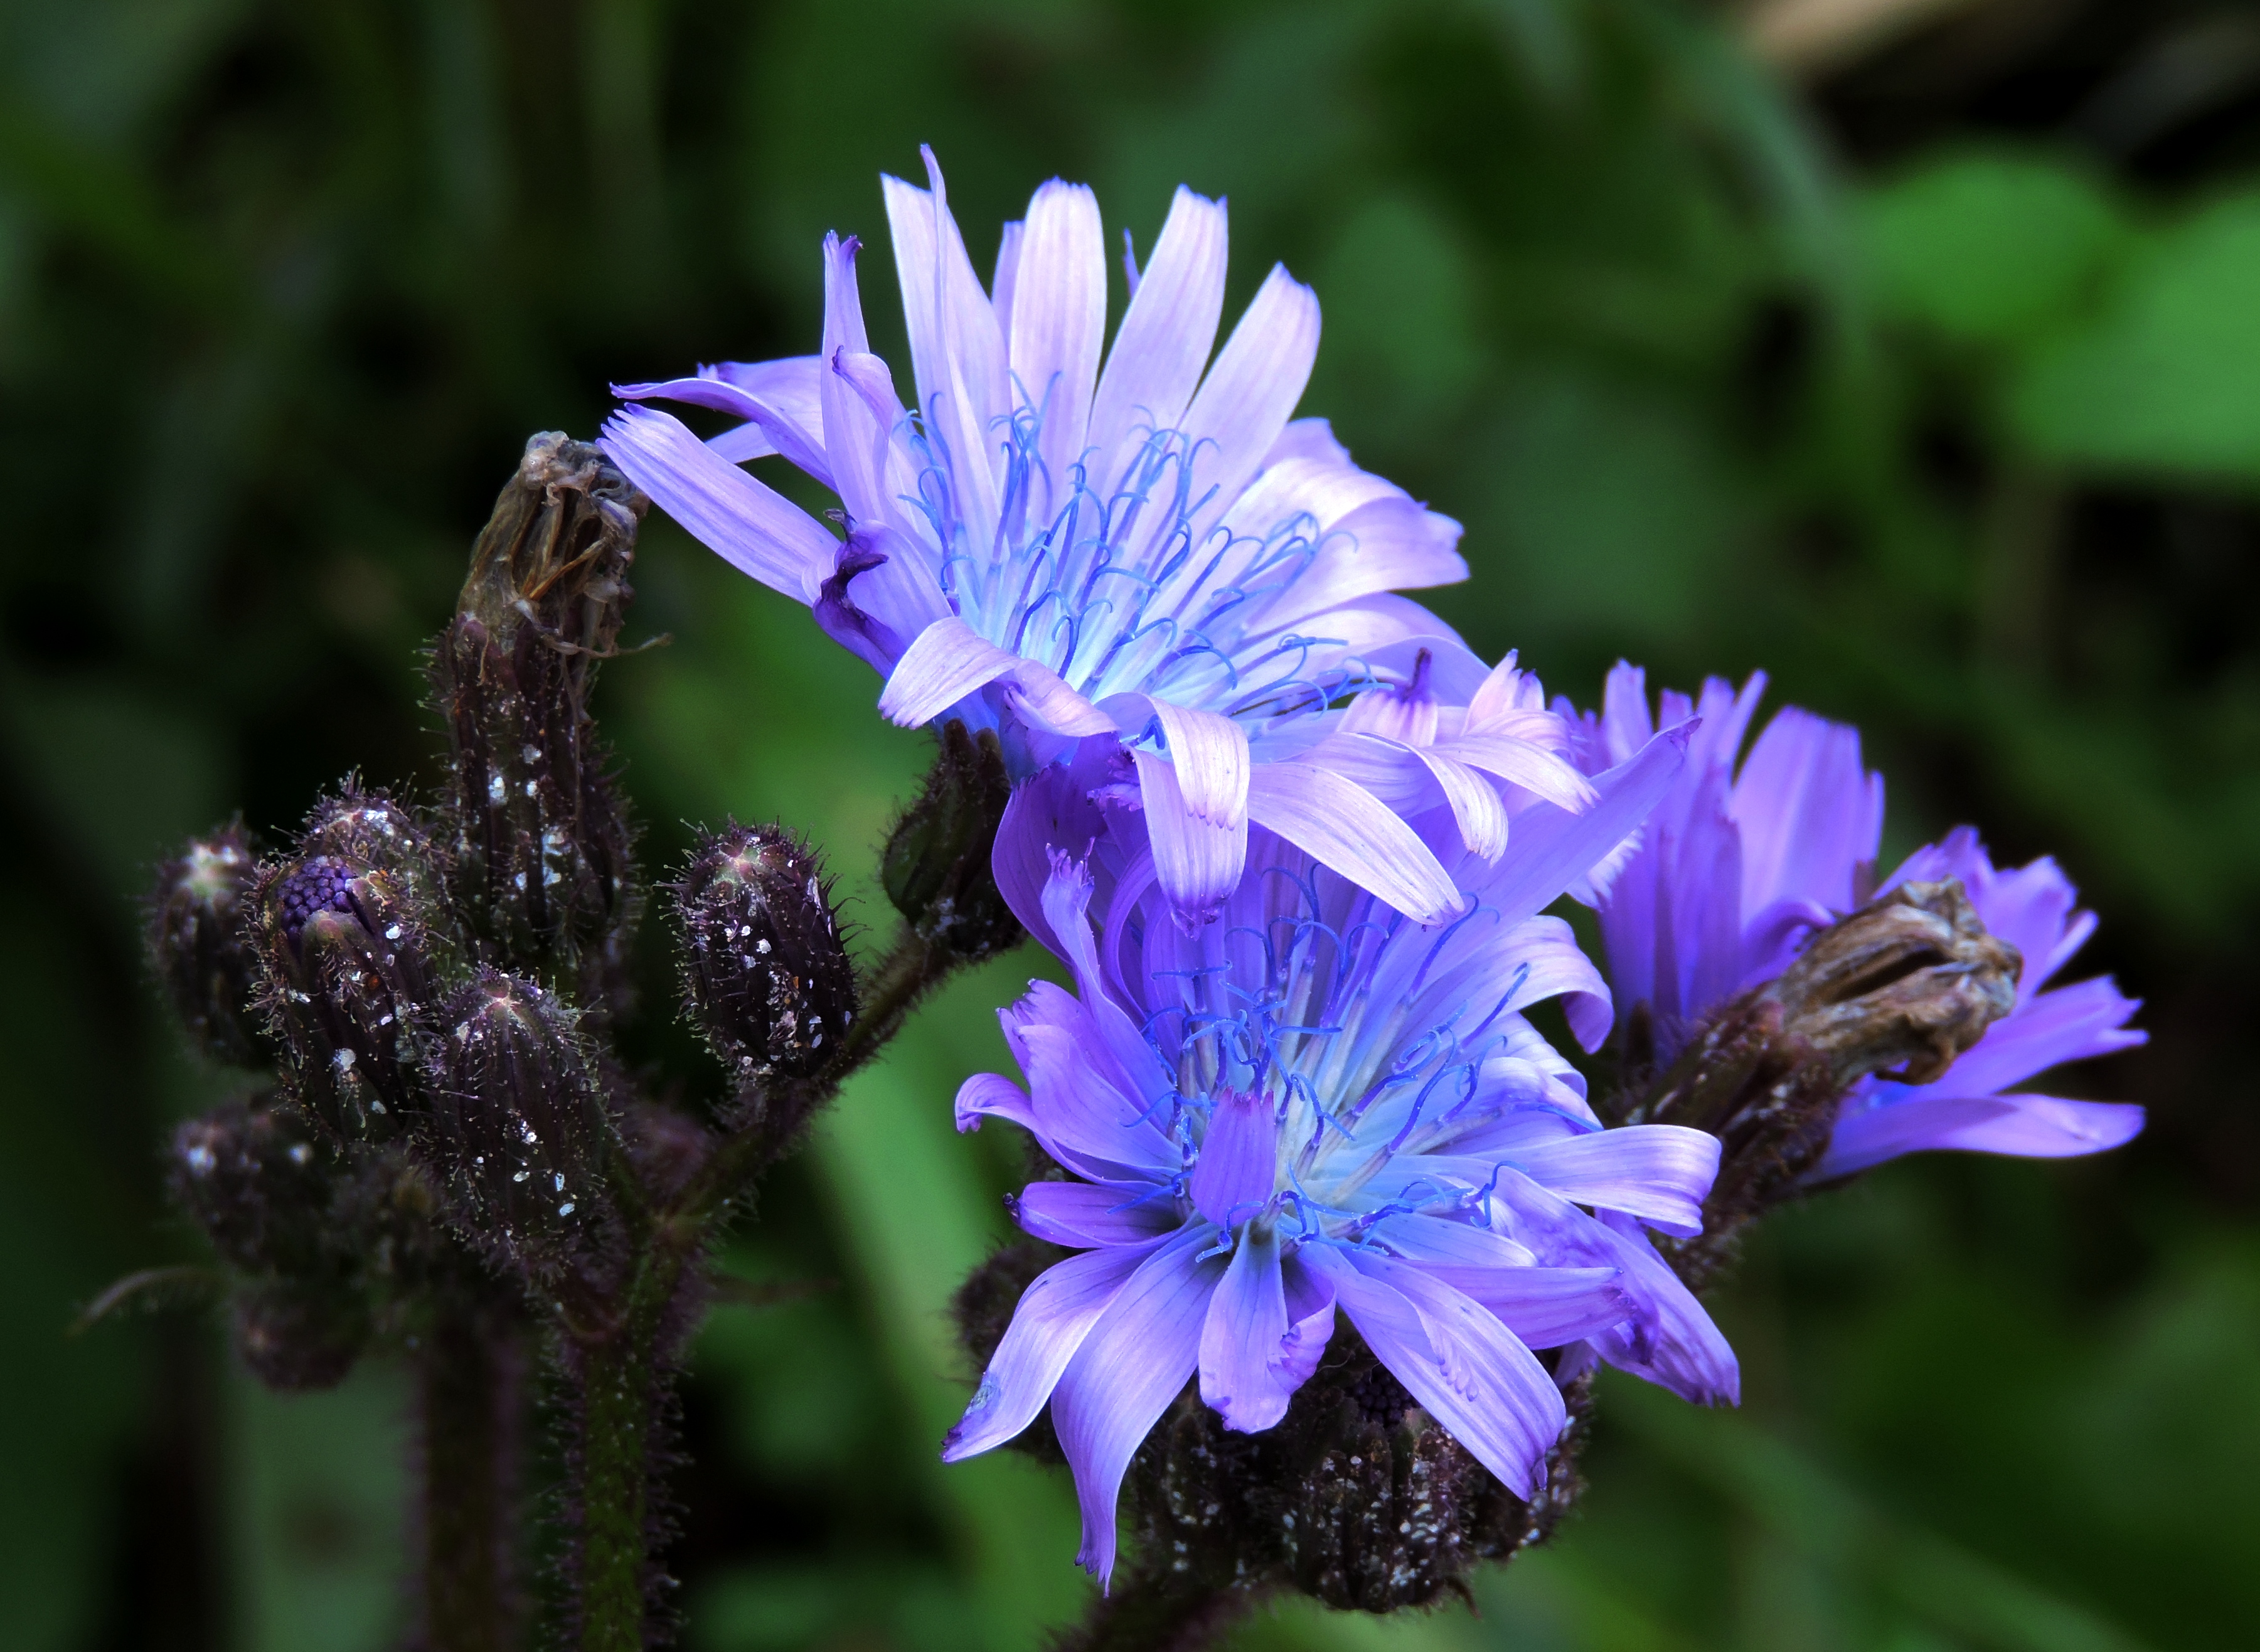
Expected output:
(1296, 844)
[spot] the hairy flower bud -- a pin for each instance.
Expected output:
(519, 1135)
(937, 862)
(258, 1184)
(352, 943)
(765, 977)
(296, 1339)
(541, 844)
(196, 943)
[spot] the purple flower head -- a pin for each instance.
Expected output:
(1315, 1107)
(1737, 869)
(1151, 551)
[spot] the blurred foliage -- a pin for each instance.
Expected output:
(1962, 442)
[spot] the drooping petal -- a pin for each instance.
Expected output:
(1659, 1173)
(1455, 1358)
(1082, 1214)
(1196, 803)
(749, 524)
(2024, 1126)
(1252, 1358)
(1055, 1316)
(944, 663)
(1124, 1375)
(1344, 828)
(992, 1095)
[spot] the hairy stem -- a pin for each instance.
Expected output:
(621, 1376)
(1146, 1613)
(468, 1396)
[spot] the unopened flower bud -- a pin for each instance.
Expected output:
(196, 943)
(937, 862)
(542, 847)
(258, 1184)
(1907, 983)
(352, 941)
(519, 1135)
(767, 979)
(296, 1339)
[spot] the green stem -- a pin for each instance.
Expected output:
(621, 1377)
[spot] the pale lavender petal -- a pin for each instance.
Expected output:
(1196, 803)
(1455, 1358)
(2068, 1024)
(1345, 829)
(1252, 1358)
(957, 355)
(748, 523)
(993, 1095)
(784, 432)
(1065, 905)
(1165, 337)
(1474, 802)
(1553, 846)
(1082, 1214)
(1124, 1376)
(1058, 323)
(1238, 1159)
(1050, 811)
(1523, 763)
(1007, 277)
(1656, 1172)
(1055, 1316)
(1245, 399)
(1046, 702)
(1810, 816)
(2023, 1126)
(1675, 1345)
(1083, 1116)
(947, 662)
(1307, 439)
(1389, 545)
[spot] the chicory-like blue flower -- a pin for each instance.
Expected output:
(1737, 868)
(1315, 1107)
(1153, 550)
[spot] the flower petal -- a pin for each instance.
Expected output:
(1055, 1316)
(1124, 1375)
(1164, 340)
(1656, 1172)
(784, 431)
(1253, 1357)
(1238, 1168)
(1058, 323)
(1245, 400)
(944, 663)
(746, 522)
(1345, 829)
(1553, 846)
(2022, 1127)
(957, 354)
(1195, 800)
(1082, 1214)
(1455, 1357)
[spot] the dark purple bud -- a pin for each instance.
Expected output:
(353, 943)
(518, 1137)
(196, 942)
(540, 842)
(258, 1184)
(296, 1339)
(936, 865)
(766, 977)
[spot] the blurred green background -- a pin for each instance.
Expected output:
(1912, 350)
